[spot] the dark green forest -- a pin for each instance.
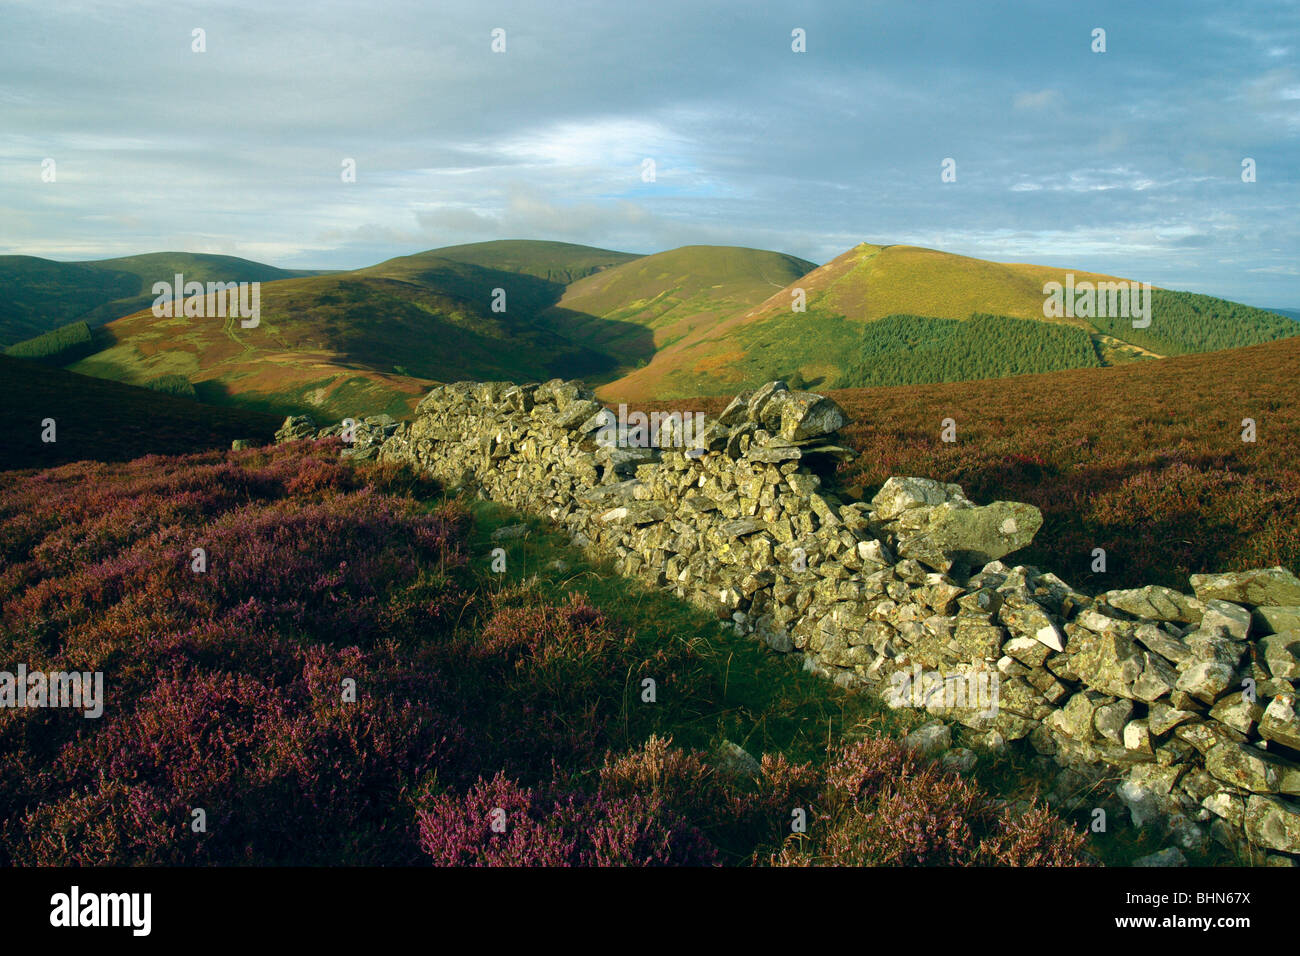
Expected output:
(915, 349)
(1185, 322)
(58, 346)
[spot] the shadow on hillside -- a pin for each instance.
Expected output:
(108, 421)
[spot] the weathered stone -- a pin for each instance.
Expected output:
(1110, 662)
(959, 760)
(898, 495)
(1137, 737)
(1163, 718)
(1109, 721)
(1158, 678)
(1252, 769)
(1028, 650)
(1024, 617)
(735, 760)
(1227, 805)
(1273, 823)
(1233, 618)
(1206, 680)
(575, 413)
(971, 534)
(800, 415)
(1076, 718)
(1205, 736)
(296, 428)
(1156, 603)
(1258, 587)
(1279, 722)
(1237, 712)
(1281, 653)
(929, 740)
(1167, 646)
(1274, 619)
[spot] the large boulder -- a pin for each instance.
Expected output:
(296, 428)
(799, 415)
(1260, 587)
(958, 532)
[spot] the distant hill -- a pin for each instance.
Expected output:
(374, 339)
(38, 295)
(831, 343)
(689, 321)
(109, 421)
(657, 300)
(1289, 313)
(560, 262)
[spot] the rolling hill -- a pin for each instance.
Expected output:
(373, 339)
(39, 295)
(635, 309)
(560, 262)
(920, 293)
(689, 321)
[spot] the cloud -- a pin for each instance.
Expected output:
(1124, 162)
(1043, 99)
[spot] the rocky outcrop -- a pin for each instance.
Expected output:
(1188, 699)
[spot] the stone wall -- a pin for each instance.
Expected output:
(1183, 704)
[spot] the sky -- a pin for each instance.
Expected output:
(1127, 161)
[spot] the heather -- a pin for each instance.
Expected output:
(1145, 461)
(346, 682)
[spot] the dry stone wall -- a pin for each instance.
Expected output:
(1184, 704)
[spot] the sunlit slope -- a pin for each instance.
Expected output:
(921, 292)
(671, 294)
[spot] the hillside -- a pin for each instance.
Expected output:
(520, 690)
(39, 295)
(657, 300)
(694, 320)
(372, 339)
(830, 344)
(109, 421)
(559, 262)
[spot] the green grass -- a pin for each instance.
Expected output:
(757, 698)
